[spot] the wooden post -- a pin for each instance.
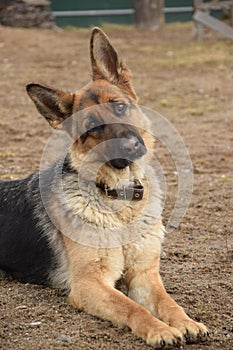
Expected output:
(231, 15)
(149, 14)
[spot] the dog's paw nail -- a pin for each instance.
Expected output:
(205, 336)
(188, 338)
(162, 343)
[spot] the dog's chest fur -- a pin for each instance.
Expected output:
(116, 235)
(115, 263)
(87, 202)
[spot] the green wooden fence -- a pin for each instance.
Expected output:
(91, 12)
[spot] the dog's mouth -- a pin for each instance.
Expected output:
(120, 163)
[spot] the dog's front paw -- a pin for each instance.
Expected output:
(164, 337)
(192, 331)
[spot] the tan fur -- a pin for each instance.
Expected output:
(148, 310)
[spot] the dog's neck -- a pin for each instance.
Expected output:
(115, 183)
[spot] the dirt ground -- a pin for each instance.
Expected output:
(191, 84)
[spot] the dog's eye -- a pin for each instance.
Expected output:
(93, 125)
(120, 108)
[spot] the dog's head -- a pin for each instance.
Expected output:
(106, 109)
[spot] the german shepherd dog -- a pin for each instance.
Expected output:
(35, 243)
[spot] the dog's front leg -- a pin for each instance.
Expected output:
(92, 289)
(146, 288)
(94, 295)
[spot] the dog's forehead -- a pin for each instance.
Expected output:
(99, 93)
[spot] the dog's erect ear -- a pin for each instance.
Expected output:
(54, 105)
(104, 58)
(106, 63)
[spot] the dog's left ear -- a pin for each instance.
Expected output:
(106, 63)
(54, 105)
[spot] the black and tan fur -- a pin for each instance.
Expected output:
(34, 250)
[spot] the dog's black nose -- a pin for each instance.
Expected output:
(132, 147)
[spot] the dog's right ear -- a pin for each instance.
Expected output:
(54, 105)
